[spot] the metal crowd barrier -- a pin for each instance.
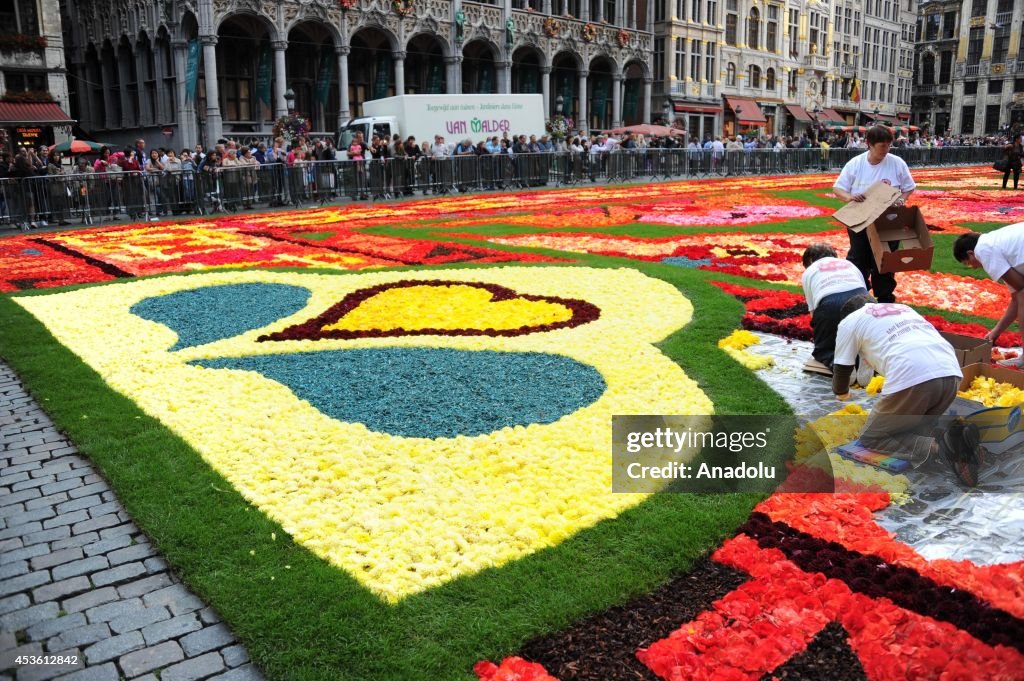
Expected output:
(90, 198)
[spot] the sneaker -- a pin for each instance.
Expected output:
(956, 449)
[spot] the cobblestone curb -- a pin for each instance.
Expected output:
(79, 581)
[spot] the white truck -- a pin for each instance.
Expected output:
(454, 117)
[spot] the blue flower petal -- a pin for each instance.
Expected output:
(208, 314)
(430, 392)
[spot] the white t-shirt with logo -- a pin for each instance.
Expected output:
(1001, 250)
(858, 174)
(828, 276)
(899, 343)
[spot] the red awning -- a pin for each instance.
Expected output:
(799, 113)
(882, 118)
(33, 113)
(903, 116)
(831, 115)
(749, 111)
(693, 108)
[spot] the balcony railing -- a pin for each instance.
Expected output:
(1004, 18)
(847, 71)
(972, 69)
(816, 61)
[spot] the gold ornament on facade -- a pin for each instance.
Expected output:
(552, 27)
(589, 33)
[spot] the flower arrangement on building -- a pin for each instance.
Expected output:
(291, 126)
(552, 27)
(623, 38)
(19, 42)
(403, 8)
(589, 33)
(558, 126)
(348, 4)
(27, 96)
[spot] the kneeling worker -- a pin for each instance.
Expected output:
(828, 283)
(922, 376)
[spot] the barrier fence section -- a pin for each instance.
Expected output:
(91, 198)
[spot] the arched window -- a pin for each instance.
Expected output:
(753, 29)
(730, 75)
(769, 79)
(755, 76)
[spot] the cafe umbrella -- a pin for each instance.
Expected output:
(79, 147)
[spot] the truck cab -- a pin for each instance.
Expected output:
(382, 126)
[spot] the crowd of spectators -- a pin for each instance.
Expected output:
(155, 182)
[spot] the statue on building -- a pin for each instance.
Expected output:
(460, 25)
(510, 32)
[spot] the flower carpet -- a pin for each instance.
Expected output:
(386, 430)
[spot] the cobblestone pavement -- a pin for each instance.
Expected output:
(79, 580)
(942, 520)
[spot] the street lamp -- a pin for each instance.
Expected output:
(667, 108)
(739, 110)
(559, 101)
(289, 99)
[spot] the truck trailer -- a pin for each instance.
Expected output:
(454, 117)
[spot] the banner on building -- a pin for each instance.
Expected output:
(567, 94)
(323, 81)
(380, 86)
(435, 83)
(192, 70)
(264, 74)
(598, 102)
(487, 79)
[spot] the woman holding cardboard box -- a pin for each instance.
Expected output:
(860, 172)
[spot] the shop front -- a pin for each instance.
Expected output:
(32, 124)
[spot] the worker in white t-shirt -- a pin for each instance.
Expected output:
(859, 173)
(828, 283)
(1001, 254)
(922, 376)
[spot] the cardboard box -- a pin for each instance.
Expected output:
(972, 371)
(969, 350)
(899, 237)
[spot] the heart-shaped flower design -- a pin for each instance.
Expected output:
(446, 308)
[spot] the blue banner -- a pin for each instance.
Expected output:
(323, 83)
(598, 103)
(487, 79)
(263, 75)
(435, 83)
(192, 70)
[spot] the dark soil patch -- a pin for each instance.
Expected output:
(603, 646)
(827, 657)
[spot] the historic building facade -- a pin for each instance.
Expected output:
(988, 80)
(781, 67)
(183, 71)
(938, 38)
(33, 80)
